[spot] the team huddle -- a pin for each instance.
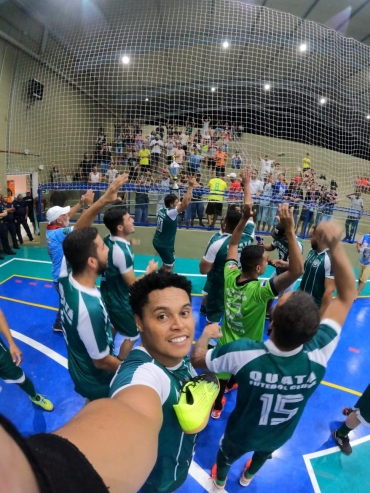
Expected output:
(274, 379)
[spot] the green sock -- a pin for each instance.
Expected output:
(27, 386)
(219, 482)
(344, 430)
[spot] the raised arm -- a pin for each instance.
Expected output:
(199, 352)
(344, 278)
(187, 197)
(87, 218)
(284, 280)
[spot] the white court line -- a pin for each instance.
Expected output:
(321, 453)
(40, 347)
(195, 470)
(8, 261)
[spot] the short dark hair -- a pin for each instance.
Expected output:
(296, 321)
(79, 246)
(141, 289)
(232, 207)
(251, 256)
(232, 219)
(114, 218)
(170, 199)
(58, 198)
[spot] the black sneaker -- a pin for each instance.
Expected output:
(2, 256)
(57, 328)
(16, 247)
(10, 252)
(343, 443)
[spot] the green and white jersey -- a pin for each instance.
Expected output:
(166, 228)
(113, 288)
(274, 386)
(245, 305)
(282, 248)
(316, 268)
(88, 336)
(216, 253)
(175, 448)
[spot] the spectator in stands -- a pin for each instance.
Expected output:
(102, 138)
(217, 188)
(256, 187)
(169, 127)
(220, 159)
(144, 156)
(218, 127)
(55, 176)
(307, 217)
(307, 162)
(134, 167)
(137, 127)
(236, 161)
(207, 137)
(68, 177)
(196, 206)
(206, 122)
(189, 125)
(139, 141)
(225, 141)
(354, 215)
(204, 153)
(331, 198)
(184, 139)
(160, 131)
(156, 147)
(105, 159)
(194, 162)
(321, 202)
(142, 201)
(117, 129)
(170, 149)
(363, 248)
(264, 211)
(235, 190)
(179, 155)
(95, 175)
(164, 183)
(295, 196)
(21, 216)
(85, 167)
(266, 165)
(112, 173)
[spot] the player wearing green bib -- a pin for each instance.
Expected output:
(120, 275)
(85, 320)
(246, 296)
(276, 378)
(165, 234)
(153, 374)
(317, 279)
(10, 370)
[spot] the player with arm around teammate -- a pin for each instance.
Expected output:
(276, 378)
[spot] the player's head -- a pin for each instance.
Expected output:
(278, 233)
(235, 207)
(58, 198)
(161, 303)
(295, 320)
(314, 238)
(358, 195)
(58, 216)
(171, 200)
(253, 260)
(231, 220)
(254, 174)
(85, 251)
(118, 221)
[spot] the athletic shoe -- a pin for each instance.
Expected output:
(2, 256)
(41, 401)
(10, 252)
(57, 328)
(343, 443)
(243, 481)
(215, 414)
(196, 399)
(16, 247)
(216, 487)
(227, 390)
(203, 310)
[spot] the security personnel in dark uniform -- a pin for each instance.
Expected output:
(10, 222)
(30, 206)
(20, 215)
(4, 233)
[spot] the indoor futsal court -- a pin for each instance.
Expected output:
(310, 460)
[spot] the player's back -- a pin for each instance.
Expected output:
(166, 228)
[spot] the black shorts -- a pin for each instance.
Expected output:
(214, 208)
(220, 171)
(211, 163)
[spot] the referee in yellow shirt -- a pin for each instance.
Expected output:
(217, 187)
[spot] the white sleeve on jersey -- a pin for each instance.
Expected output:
(151, 376)
(325, 341)
(212, 251)
(328, 272)
(232, 361)
(119, 260)
(173, 213)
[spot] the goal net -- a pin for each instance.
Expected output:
(251, 80)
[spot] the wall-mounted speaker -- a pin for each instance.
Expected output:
(35, 89)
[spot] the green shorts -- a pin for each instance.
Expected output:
(362, 407)
(215, 303)
(9, 371)
(92, 392)
(124, 323)
(167, 255)
(205, 288)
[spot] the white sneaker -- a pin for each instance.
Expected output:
(243, 481)
(216, 488)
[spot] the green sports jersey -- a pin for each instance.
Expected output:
(282, 248)
(113, 288)
(245, 305)
(273, 386)
(165, 233)
(88, 336)
(316, 268)
(175, 448)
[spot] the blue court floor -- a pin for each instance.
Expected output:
(308, 462)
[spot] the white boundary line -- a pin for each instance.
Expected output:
(321, 453)
(201, 477)
(8, 262)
